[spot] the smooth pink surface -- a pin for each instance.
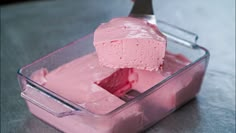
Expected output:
(97, 88)
(76, 82)
(130, 43)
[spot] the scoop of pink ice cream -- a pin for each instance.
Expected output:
(130, 43)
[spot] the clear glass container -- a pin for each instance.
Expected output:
(69, 117)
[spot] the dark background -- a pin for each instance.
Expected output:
(30, 30)
(6, 2)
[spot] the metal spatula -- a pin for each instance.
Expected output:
(143, 9)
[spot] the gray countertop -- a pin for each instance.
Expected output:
(33, 29)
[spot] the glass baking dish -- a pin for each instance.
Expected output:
(69, 117)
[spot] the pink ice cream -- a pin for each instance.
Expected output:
(116, 74)
(130, 43)
(98, 88)
(76, 81)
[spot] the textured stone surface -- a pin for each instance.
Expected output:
(33, 29)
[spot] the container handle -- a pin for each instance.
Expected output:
(46, 102)
(178, 34)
